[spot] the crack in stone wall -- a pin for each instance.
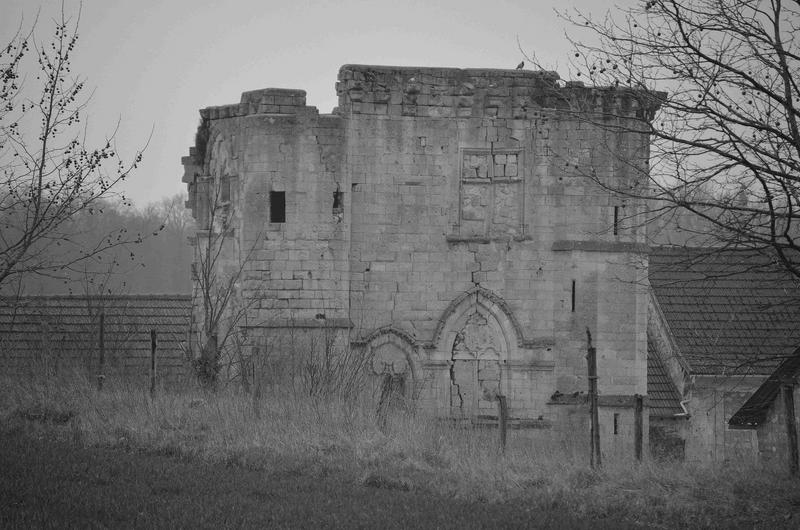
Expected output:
(475, 372)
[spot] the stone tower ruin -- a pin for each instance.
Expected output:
(455, 225)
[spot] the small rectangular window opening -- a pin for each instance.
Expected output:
(616, 220)
(338, 206)
(338, 202)
(616, 423)
(277, 207)
(572, 303)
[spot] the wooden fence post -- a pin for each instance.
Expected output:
(153, 345)
(638, 433)
(787, 389)
(102, 346)
(594, 444)
(502, 418)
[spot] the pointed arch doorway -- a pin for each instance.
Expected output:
(476, 336)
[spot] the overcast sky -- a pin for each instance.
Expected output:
(154, 63)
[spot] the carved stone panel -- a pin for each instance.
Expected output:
(491, 194)
(475, 202)
(475, 166)
(507, 215)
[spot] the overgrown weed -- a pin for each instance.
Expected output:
(320, 435)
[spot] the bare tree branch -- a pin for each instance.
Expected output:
(48, 172)
(725, 136)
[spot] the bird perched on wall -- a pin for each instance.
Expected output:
(521, 65)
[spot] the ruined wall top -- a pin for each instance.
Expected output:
(263, 101)
(448, 92)
(476, 92)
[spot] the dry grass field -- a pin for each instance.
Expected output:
(330, 439)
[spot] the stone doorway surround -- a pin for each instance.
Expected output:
(473, 344)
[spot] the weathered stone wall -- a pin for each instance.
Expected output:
(773, 440)
(713, 401)
(272, 142)
(471, 242)
(668, 438)
(617, 422)
(466, 179)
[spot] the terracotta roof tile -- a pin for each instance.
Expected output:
(728, 311)
(662, 395)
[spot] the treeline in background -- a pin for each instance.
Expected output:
(149, 252)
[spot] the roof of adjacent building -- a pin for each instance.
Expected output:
(729, 312)
(662, 395)
(754, 411)
(66, 330)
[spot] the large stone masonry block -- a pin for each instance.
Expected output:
(272, 100)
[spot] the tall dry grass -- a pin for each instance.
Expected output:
(325, 434)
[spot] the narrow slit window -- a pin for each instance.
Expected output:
(616, 423)
(616, 220)
(277, 207)
(572, 301)
(225, 189)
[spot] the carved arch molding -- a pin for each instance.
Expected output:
(475, 338)
(478, 296)
(391, 352)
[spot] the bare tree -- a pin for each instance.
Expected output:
(725, 140)
(218, 270)
(48, 173)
